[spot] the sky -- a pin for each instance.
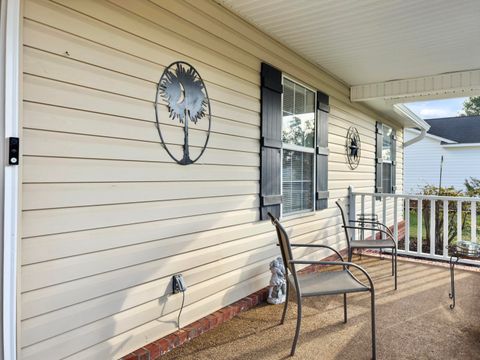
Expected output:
(437, 108)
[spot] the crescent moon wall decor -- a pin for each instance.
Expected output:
(182, 90)
(353, 147)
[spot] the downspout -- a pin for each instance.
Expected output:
(420, 136)
(402, 110)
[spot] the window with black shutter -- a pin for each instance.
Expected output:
(321, 154)
(385, 177)
(294, 152)
(271, 141)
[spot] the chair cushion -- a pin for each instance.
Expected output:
(372, 243)
(327, 283)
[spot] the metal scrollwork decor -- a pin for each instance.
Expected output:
(182, 91)
(353, 148)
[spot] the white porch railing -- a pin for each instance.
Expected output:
(433, 228)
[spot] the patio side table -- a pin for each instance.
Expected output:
(460, 250)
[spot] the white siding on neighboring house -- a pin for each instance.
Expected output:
(422, 163)
(108, 217)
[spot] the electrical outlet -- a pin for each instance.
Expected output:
(178, 284)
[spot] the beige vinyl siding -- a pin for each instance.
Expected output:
(108, 217)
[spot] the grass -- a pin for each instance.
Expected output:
(466, 229)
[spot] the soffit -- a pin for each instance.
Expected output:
(370, 41)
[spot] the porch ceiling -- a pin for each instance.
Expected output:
(375, 41)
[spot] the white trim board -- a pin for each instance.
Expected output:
(461, 145)
(455, 84)
(11, 43)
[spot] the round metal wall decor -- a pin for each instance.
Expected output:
(353, 147)
(182, 96)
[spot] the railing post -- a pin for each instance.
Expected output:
(473, 220)
(459, 220)
(407, 224)
(362, 211)
(419, 225)
(373, 215)
(445, 229)
(351, 209)
(432, 227)
(384, 211)
(395, 220)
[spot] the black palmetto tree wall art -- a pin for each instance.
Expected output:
(183, 91)
(353, 147)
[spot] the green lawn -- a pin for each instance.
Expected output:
(466, 230)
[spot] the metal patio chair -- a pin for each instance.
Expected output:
(320, 283)
(390, 242)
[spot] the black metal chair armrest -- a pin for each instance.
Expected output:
(340, 263)
(367, 228)
(373, 223)
(319, 246)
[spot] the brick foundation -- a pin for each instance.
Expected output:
(163, 345)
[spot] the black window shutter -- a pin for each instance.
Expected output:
(394, 161)
(378, 158)
(271, 142)
(323, 110)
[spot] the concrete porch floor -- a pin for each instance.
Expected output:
(414, 322)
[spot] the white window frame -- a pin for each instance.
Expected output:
(390, 191)
(299, 148)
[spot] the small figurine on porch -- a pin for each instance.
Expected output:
(278, 283)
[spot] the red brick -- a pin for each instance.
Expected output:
(205, 325)
(173, 341)
(142, 354)
(263, 294)
(224, 312)
(212, 321)
(220, 317)
(163, 346)
(193, 330)
(130, 357)
(235, 309)
(227, 315)
(243, 305)
(231, 312)
(182, 336)
(153, 349)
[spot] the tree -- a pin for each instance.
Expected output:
(473, 187)
(471, 106)
(438, 218)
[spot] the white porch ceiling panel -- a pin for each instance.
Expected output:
(372, 41)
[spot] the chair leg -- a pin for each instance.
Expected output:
(396, 270)
(286, 304)
(299, 322)
(350, 250)
(374, 347)
(345, 308)
(393, 263)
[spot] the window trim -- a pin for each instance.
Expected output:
(391, 145)
(298, 148)
(391, 162)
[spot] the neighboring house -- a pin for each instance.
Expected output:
(457, 139)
